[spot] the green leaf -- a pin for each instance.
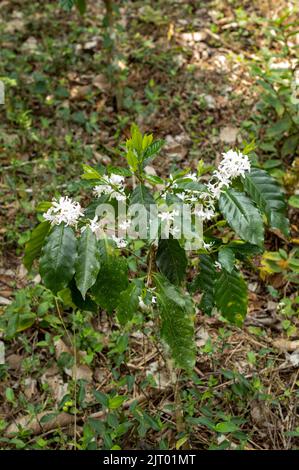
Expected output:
(111, 281)
(19, 321)
(116, 402)
(136, 139)
(242, 216)
(48, 417)
(10, 395)
(294, 201)
(280, 127)
(86, 304)
(153, 179)
(280, 222)
(101, 398)
(152, 150)
(132, 159)
(34, 245)
(226, 258)
(267, 87)
(67, 5)
(81, 6)
(290, 145)
(142, 195)
(226, 427)
(43, 206)
(243, 250)
(231, 296)
(128, 304)
(26, 320)
(205, 283)
(177, 322)
(88, 261)
(57, 264)
(171, 260)
(90, 173)
(268, 196)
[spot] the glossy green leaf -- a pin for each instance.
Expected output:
(231, 296)
(142, 195)
(57, 264)
(242, 216)
(86, 304)
(90, 173)
(243, 250)
(177, 322)
(268, 196)
(88, 261)
(128, 304)
(34, 245)
(111, 281)
(152, 150)
(132, 159)
(171, 260)
(205, 283)
(226, 258)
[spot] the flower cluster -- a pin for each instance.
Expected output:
(232, 165)
(181, 189)
(119, 241)
(64, 210)
(113, 186)
(97, 227)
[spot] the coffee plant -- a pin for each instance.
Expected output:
(190, 235)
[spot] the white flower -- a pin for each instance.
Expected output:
(120, 242)
(182, 196)
(116, 179)
(208, 246)
(96, 227)
(113, 187)
(205, 214)
(217, 265)
(191, 176)
(233, 164)
(118, 196)
(168, 216)
(101, 189)
(215, 190)
(65, 210)
(154, 299)
(125, 224)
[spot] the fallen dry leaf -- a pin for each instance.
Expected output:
(30, 387)
(78, 93)
(79, 371)
(285, 344)
(228, 135)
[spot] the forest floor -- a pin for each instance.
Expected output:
(186, 74)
